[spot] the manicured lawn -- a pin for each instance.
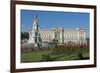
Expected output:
(34, 56)
(37, 56)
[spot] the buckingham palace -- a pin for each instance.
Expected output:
(62, 35)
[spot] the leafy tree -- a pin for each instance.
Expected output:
(24, 35)
(55, 42)
(87, 40)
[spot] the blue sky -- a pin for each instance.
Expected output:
(51, 19)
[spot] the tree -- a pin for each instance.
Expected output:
(24, 35)
(87, 40)
(55, 42)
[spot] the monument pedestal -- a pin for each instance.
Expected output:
(35, 45)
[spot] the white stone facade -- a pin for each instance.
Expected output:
(62, 35)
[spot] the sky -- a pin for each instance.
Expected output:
(53, 19)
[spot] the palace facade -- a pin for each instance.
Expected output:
(62, 35)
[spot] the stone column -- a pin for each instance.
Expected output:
(53, 33)
(78, 36)
(85, 41)
(61, 35)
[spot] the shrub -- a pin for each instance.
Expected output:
(46, 57)
(79, 54)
